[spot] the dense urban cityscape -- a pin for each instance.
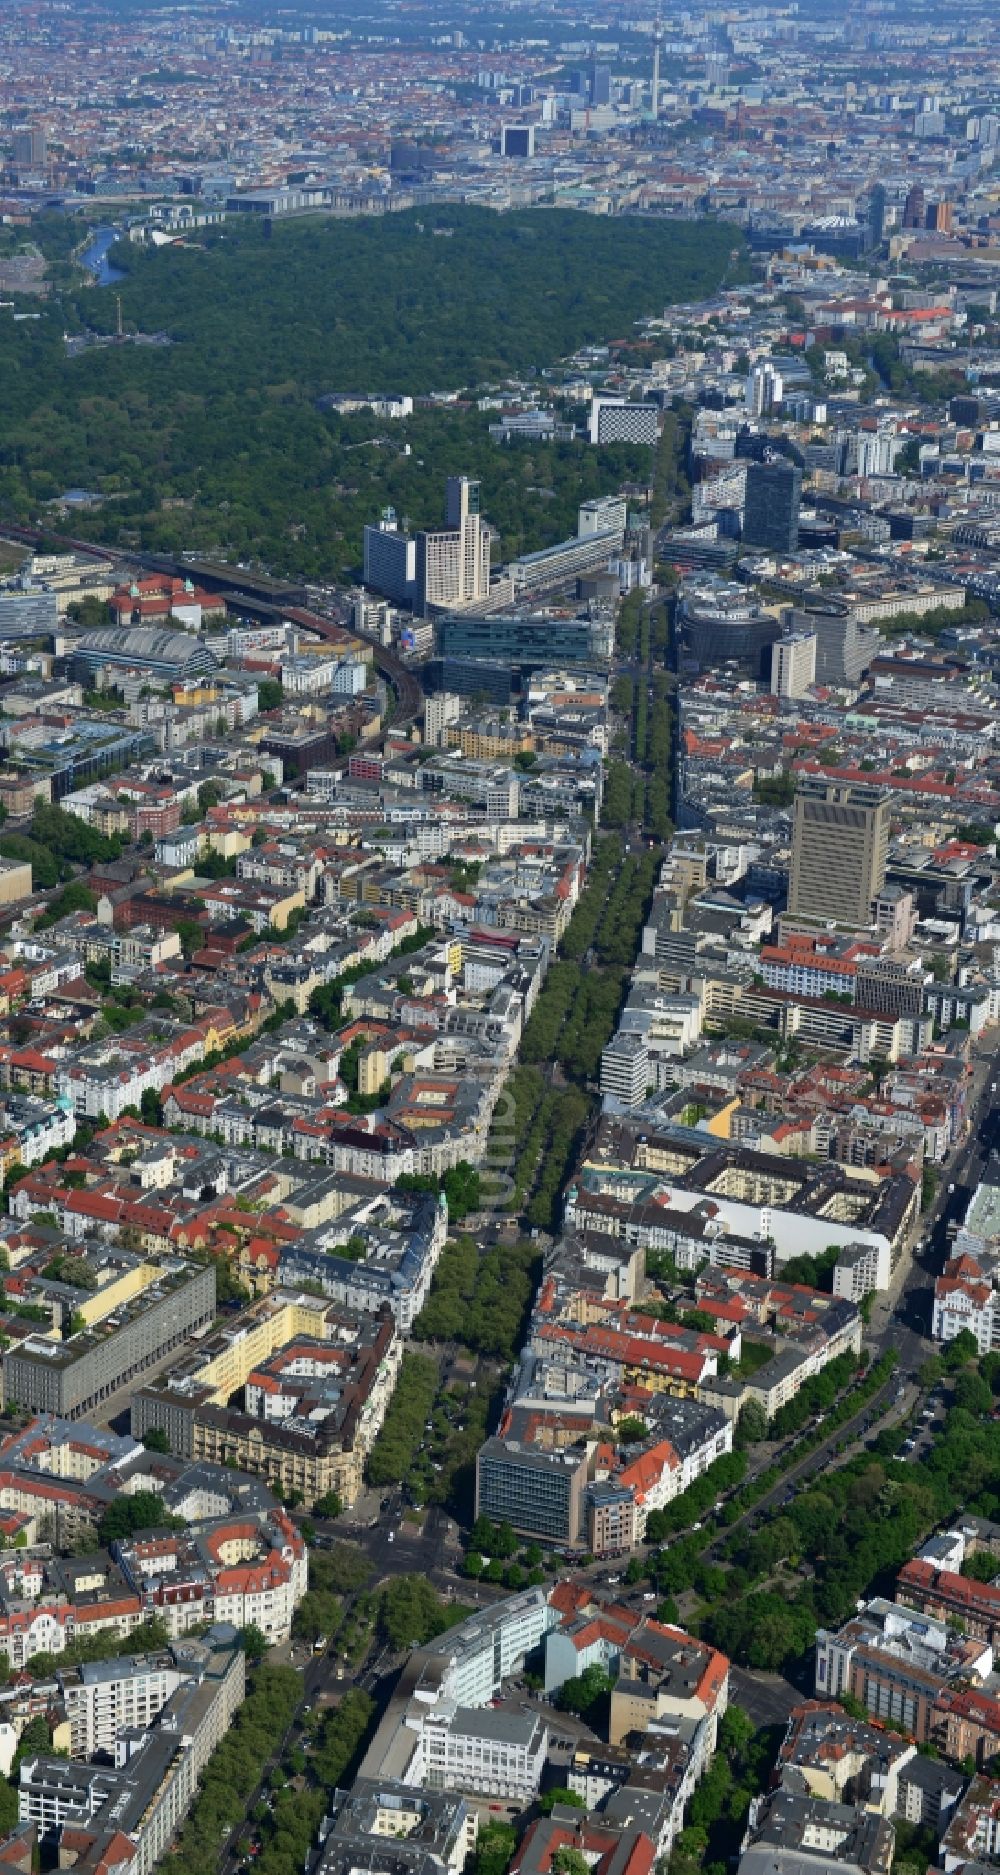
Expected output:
(499, 939)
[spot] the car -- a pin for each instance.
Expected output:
(649, 1598)
(391, 1537)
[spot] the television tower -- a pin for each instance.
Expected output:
(655, 99)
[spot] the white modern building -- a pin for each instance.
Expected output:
(793, 664)
(104, 1696)
(603, 514)
(625, 1069)
(477, 1749)
(479, 1655)
(612, 420)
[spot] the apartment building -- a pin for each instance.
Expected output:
(104, 1697)
(71, 1378)
(665, 1674)
(951, 1597)
(840, 841)
(966, 1297)
(897, 1664)
(146, 1794)
(808, 1207)
(388, 1828)
(323, 1446)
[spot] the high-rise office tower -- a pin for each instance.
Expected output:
(765, 389)
(30, 148)
(771, 513)
(600, 84)
(453, 562)
(612, 420)
(390, 559)
(844, 648)
(876, 214)
(840, 843)
(793, 664)
(603, 514)
(914, 207)
(517, 140)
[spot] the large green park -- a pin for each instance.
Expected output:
(215, 441)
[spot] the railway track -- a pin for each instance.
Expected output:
(406, 685)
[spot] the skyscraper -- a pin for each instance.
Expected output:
(840, 843)
(876, 214)
(600, 84)
(453, 562)
(765, 389)
(793, 664)
(914, 207)
(517, 140)
(771, 513)
(390, 562)
(30, 149)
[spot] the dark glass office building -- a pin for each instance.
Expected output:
(771, 514)
(528, 641)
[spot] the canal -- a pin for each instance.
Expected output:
(95, 257)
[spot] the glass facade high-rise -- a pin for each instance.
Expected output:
(524, 639)
(771, 513)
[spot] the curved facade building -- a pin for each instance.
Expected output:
(157, 650)
(720, 623)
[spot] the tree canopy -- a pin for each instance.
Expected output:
(218, 440)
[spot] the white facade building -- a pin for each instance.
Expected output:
(473, 1748)
(612, 420)
(110, 1694)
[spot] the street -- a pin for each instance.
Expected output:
(901, 1320)
(395, 1541)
